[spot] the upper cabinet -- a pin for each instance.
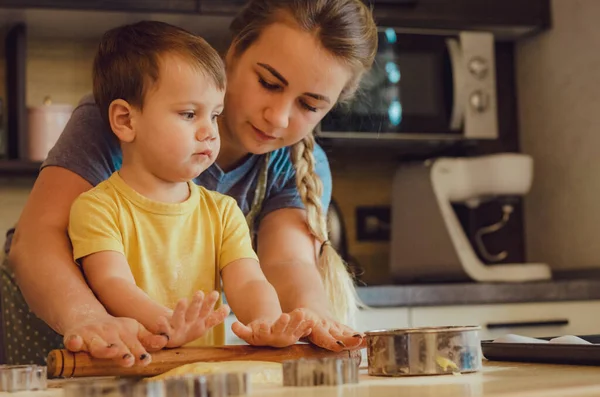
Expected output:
(508, 19)
(228, 7)
(109, 5)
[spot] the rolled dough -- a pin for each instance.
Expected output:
(260, 372)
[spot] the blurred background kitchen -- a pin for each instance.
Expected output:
(464, 174)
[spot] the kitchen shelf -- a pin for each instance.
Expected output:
(21, 168)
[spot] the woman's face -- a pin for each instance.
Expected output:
(279, 89)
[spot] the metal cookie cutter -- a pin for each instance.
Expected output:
(15, 378)
(320, 372)
(213, 385)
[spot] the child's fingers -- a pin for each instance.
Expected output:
(163, 326)
(215, 318)
(243, 332)
(194, 309)
(281, 324)
(178, 318)
(263, 330)
(208, 304)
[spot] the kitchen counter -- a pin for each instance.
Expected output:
(446, 294)
(497, 379)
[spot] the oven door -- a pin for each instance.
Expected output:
(422, 86)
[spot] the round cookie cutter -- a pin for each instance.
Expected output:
(14, 378)
(424, 351)
(320, 372)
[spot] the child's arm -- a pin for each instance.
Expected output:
(98, 246)
(255, 304)
(251, 297)
(110, 277)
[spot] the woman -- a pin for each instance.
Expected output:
(289, 63)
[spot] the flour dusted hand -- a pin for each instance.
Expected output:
(191, 321)
(285, 331)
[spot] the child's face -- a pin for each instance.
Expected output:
(176, 133)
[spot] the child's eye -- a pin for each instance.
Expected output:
(188, 115)
(215, 117)
(268, 86)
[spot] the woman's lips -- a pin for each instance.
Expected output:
(262, 136)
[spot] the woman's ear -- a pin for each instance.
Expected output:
(120, 117)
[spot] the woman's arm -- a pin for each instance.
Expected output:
(249, 294)
(287, 253)
(288, 257)
(52, 283)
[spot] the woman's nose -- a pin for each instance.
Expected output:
(278, 114)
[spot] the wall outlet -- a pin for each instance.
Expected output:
(373, 223)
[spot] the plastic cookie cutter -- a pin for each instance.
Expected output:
(320, 372)
(14, 378)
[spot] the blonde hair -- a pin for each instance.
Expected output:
(347, 30)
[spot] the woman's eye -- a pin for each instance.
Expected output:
(268, 86)
(188, 115)
(308, 107)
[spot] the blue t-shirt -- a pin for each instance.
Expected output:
(88, 147)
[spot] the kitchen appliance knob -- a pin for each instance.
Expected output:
(479, 101)
(320, 372)
(478, 67)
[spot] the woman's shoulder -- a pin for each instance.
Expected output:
(281, 159)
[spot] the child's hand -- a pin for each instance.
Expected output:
(285, 331)
(190, 322)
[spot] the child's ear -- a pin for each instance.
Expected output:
(120, 117)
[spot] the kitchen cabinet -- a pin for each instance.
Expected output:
(227, 7)
(122, 5)
(509, 18)
(528, 319)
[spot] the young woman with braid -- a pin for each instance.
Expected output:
(289, 63)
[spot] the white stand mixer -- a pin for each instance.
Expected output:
(428, 240)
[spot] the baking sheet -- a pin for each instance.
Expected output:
(549, 353)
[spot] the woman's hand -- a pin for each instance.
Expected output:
(285, 331)
(121, 339)
(191, 321)
(332, 335)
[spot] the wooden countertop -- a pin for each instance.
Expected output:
(496, 379)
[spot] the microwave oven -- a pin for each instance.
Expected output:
(430, 86)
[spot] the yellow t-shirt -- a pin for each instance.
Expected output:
(173, 249)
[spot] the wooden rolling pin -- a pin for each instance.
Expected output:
(65, 364)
